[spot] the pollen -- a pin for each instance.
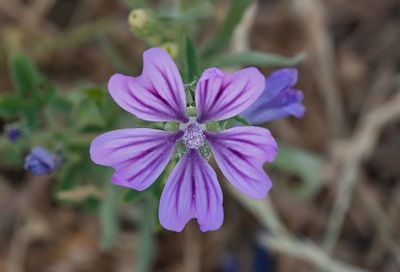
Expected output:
(194, 137)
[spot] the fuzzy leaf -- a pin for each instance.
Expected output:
(192, 63)
(306, 165)
(223, 35)
(254, 58)
(109, 216)
(24, 75)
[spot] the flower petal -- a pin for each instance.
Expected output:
(41, 162)
(279, 81)
(278, 100)
(191, 191)
(240, 152)
(221, 96)
(157, 94)
(137, 155)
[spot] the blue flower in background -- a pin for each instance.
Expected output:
(41, 162)
(13, 134)
(230, 263)
(279, 99)
(261, 260)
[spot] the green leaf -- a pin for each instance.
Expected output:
(14, 151)
(254, 58)
(192, 63)
(146, 235)
(228, 123)
(44, 93)
(88, 115)
(225, 124)
(11, 106)
(132, 196)
(306, 165)
(115, 57)
(94, 93)
(34, 89)
(61, 104)
(66, 178)
(222, 37)
(24, 75)
(134, 4)
(31, 118)
(191, 13)
(241, 120)
(109, 216)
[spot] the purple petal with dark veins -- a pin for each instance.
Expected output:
(223, 95)
(138, 155)
(240, 153)
(191, 191)
(280, 80)
(157, 94)
(279, 99)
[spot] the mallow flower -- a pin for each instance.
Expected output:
(139, 155)
(13, 134)
(279, 99)
(41, 162)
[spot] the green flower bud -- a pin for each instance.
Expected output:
(171, 48)
(141, 21)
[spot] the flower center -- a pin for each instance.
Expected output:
(194, 137)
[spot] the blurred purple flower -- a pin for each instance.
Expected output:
(279, 99)
(40, 162)
(13, 134)
(140, 155)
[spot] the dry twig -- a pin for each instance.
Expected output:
(282, 241)
(360, 146)
(192, 248)
(322, 54)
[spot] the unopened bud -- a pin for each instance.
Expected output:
(141, 21)
(171, 48)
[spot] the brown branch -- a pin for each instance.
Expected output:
(280, 240)
(359, 147)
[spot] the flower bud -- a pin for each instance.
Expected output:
(171, 48)
(13, 134)
(141, 21)
(40, 162)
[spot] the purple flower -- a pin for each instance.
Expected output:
(40, 162)
(279, 99)
(140, 155)
(13, 134)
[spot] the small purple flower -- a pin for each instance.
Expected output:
(40, 162)
(13, 134)
(140, 155)
(279, 99)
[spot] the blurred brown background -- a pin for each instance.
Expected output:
(351, 83)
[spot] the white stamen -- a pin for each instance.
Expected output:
(194, 137)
